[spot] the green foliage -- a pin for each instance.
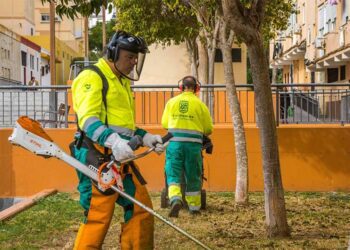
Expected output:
(277, 15)
(95, 35)
(156, 21)
(71, 8)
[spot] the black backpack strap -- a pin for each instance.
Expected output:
(104, 99)
(104, 83)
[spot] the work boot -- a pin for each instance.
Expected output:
(176, 206)
(194, 212)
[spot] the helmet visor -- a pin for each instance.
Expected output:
(138, 67)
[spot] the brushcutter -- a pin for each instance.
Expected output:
(30, 135)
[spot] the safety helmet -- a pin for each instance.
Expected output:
(123, 40)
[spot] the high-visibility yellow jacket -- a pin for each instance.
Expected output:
(89, 107)
(187, 117)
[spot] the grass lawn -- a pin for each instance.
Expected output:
(317, 221)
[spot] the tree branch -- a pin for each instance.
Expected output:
(238, 21)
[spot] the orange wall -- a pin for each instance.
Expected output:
(313, 158)
(149, 106)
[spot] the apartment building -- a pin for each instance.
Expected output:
(10, 47)
(67, 30)
(30, 61)
(29, 20)
(18, 16)
(315, 48)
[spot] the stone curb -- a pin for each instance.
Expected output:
(25, 204)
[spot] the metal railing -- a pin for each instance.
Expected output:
(293, 103)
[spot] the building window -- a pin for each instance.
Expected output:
(236, 55)
(42, 70)
(45, 17)
(321, 20)
(37, 64)
(308, 35)
(342, 72)
(31, 31)
(345, 12)
(330, 14)
(332, 75)
(24, 58)
(31, 62)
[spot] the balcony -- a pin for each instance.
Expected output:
(296, 52)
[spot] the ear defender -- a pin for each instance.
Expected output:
(180, 85)
(197, 87)
(112, 46)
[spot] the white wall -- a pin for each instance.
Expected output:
(45, 79)
(28, 69)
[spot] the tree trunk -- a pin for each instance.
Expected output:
(103, 27)
(86, 38)
(241, 194)
(193, 55)
(52, 45)
(276, 219)
(203, 69)
(211, 64)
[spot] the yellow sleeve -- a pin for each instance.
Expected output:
(207, 121)
(165, 116)
(87, 96)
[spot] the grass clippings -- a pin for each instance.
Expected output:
(317, 221)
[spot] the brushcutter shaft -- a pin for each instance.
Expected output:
(154, 213)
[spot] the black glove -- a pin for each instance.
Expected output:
(207, 145)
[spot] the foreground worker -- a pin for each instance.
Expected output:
(188, 119)
(104, 105)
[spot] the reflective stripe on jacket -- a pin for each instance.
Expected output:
(187, 117)
(90, 109)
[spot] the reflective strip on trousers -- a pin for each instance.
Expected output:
(174, 192)
(193, 200)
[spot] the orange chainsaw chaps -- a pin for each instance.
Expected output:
(33, 126)
(92, 234)
(137, 233)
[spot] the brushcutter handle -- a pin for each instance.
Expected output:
(135, 142)
(167, 137)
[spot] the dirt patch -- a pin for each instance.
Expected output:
(317, 221)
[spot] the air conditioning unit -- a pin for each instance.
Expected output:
(288, 33)
(295, 39)
(297, 29)
(320, 43)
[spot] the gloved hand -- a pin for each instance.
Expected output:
(120, 148)
(153, 141)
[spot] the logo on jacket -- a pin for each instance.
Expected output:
(87, 86)
(183, 107)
